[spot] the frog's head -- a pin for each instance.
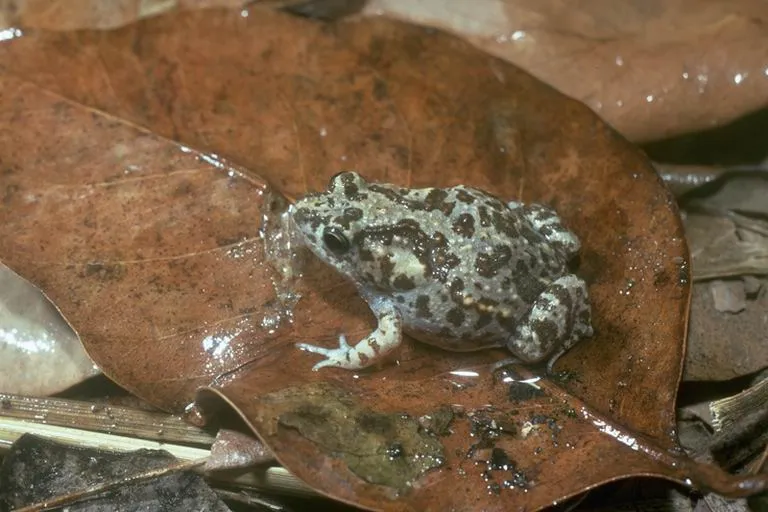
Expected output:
(352, 226)
(328, 220)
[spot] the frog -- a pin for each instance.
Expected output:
(457, 268)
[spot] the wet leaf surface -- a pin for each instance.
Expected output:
(154, 240)
(165, 278)
(93, 14)
(40, 354)
(38, 470)
(387, 449)
(651, 70)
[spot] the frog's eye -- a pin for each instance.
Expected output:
(345, 179)
(335, 240)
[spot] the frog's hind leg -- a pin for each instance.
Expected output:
(384, 339)
(546, 221)
(559, 317)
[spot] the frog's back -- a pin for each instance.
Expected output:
(488, 265)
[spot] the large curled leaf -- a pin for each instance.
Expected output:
(135, 239)
(93, 14)
(650, 70)
(165, 279)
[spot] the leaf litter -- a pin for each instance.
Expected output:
(727, 228)
(38, 474)
(636, 269)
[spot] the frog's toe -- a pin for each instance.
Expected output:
(326, 362)
(306, 347)
(335, 357)
(343, 345)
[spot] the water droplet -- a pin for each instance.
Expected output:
(395, 451)
(738, 78)
(10, 33)
(649, 98)
(518, 35)
(702, 79)
(465, 373)
(619, 60)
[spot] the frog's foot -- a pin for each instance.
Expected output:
(559, 318)
(546, 221)
(369, 350)
(340, 357)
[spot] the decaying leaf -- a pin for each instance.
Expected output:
(726, 244)
(165, 276)
(729, 296)
(40, 354)
(38, 471)
(235, 450)
(728, 235)
(724, 345)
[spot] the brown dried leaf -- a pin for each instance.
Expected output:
(650, 69)
(721, 345)
(93, 14)
(153, 241)
(39, 352)
(650, 72)
(235, 450)
(158, 279)
(725, 244)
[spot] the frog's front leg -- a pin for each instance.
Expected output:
(384, 339)
(559, 317)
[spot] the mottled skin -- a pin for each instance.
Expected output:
(453, 267)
